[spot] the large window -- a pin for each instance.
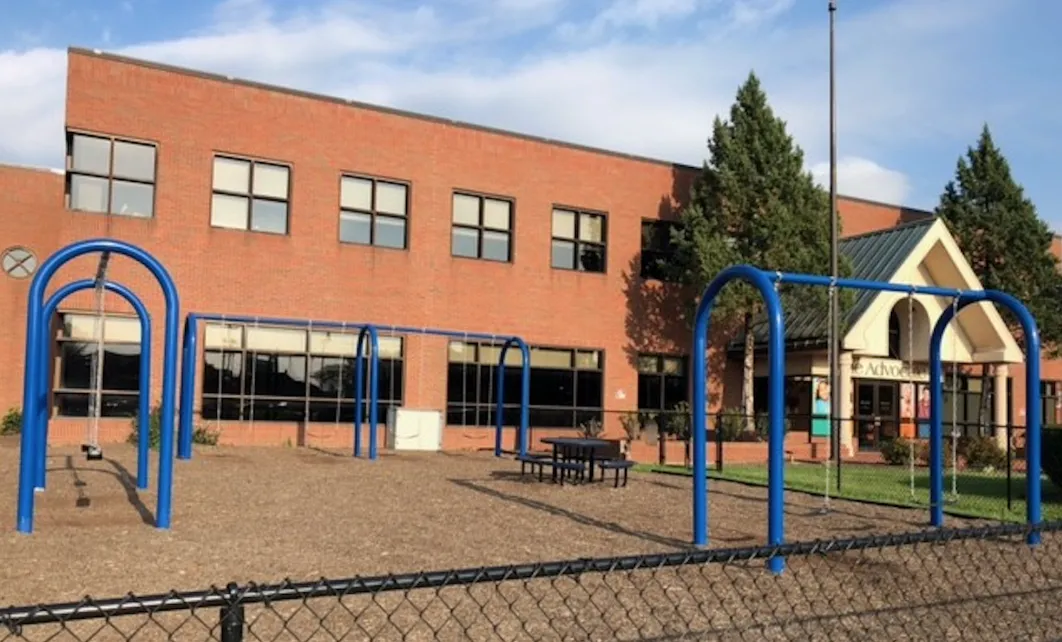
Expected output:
(75, 387)
(578, 240)
(284, 374)
(373, 211)
(662, 382)
(656, 248)
(482, 227)
(110, 175)
(567, 386)
(250, 195)
(1051, 402)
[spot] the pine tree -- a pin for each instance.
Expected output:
(753, 203)
(1005, 241)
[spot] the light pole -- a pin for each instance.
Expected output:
(835, 332)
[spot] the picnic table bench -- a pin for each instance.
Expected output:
(576, 458)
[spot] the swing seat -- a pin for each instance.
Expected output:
(92, 453)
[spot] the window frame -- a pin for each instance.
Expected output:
(480, 228)
(660, 376)
(58, 342)
(373, 213)
(249, 196)
(473, 404)
(245, 400)
(645, 272)
(70, 172)
(576, 239)
(1050, 391)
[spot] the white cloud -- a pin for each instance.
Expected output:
(866, 179)
(655, 94)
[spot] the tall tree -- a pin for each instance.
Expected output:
(1005, 241)
(753, 203)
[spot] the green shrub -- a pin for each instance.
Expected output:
(982, 453)
(200, 435)
(730, 424)
(677, 421)
(897, 452)
(205, 437)
(1052, 454)
(11, 424)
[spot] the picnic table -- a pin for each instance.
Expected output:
(576, 449)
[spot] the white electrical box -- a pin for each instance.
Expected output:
(411, 429)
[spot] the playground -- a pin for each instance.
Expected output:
(264, 514)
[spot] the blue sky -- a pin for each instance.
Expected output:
(917, 78)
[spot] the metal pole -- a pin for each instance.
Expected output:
(835, 330)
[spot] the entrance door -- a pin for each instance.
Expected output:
(876, 412)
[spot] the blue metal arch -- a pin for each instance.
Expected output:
(775, 405)
(1033, 418)
(374, 388)
(144, 409)
(32, 395)
(525, 396)
(189, 352)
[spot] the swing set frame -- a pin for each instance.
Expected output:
(370, 332)
(767, 282)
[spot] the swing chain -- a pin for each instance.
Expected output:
(912, 388)
(954, 399)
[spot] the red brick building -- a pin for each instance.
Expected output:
(263, 201)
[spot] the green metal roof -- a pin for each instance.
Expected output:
(874, 256)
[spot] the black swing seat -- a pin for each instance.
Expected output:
(92, 453)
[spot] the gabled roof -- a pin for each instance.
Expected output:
(874, 256)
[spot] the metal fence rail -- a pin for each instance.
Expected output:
(970, 584)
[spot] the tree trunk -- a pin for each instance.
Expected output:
(747, 374)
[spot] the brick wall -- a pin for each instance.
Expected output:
(309, 274)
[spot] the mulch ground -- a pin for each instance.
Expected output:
(265, 514)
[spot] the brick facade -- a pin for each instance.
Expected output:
(309, 274)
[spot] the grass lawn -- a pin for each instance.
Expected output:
(979, 494)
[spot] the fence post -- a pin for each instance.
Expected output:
(718, 443)
(1010, 455)
(232, 617)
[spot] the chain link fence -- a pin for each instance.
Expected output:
(972, 584)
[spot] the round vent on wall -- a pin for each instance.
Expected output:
(18, 262)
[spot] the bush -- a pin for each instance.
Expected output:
(200, 435)
(1052, 454)
(11, 424)
(898, 451)
(982, 453)
(590, 429)
(730, 424)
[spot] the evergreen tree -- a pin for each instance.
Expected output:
(753, 203)
(1005, 241)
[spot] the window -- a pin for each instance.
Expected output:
(894, 336)
(662, 382)
(578, 240)
(250, 195)
(482, 227)
(656, 248)
(567, 386)
(1051, 402)
(373, 211)
(285, 374)
(110, 176)
(75, 389)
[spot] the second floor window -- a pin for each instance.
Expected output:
(110, 176)
(482, 227)
(373, 211)
(250, 195)
(656, 248)
(578, 240)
